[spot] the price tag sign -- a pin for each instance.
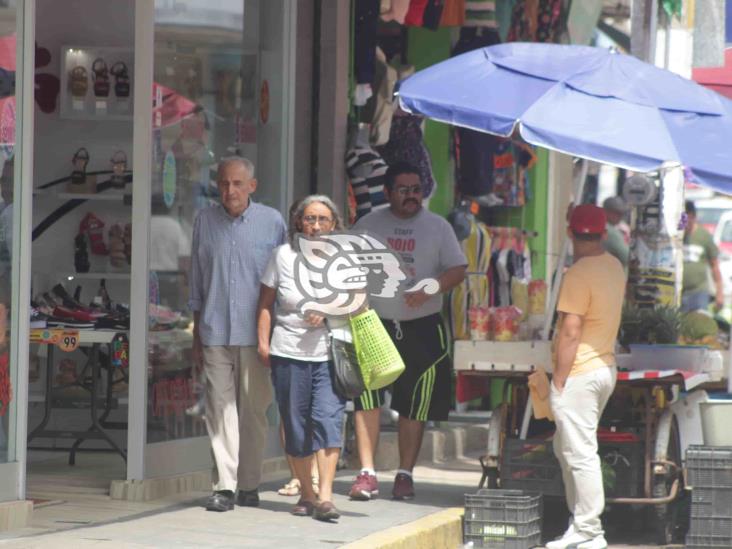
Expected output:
(68, 341)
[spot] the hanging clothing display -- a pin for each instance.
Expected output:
(511, 159)
(415, 13)
(480, 14)
(473, 291)
(406, 145)
(366, 18)
(394, 10)
(380, 109)
(366, 169)
(453, 14)
(536, 21)
(432, 14)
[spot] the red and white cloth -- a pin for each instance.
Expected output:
(691, 379)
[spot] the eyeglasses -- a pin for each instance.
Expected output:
(313, 219)
(413, 189)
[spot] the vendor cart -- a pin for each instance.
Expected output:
(642, 446)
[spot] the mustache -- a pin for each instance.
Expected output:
(408, 200)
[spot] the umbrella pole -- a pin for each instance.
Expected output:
(556, 285)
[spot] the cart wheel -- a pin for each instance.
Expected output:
(670, 520)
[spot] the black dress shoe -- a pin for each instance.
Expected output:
(248, 498)
(220, 501)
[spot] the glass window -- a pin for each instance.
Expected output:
(8, 236)
(205, 108)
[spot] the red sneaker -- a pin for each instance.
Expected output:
(365, 487)
(403, 487)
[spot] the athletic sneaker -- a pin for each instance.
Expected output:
(403, 487)
(365, 487)
(576, 540)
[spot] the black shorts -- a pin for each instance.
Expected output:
(423, 391)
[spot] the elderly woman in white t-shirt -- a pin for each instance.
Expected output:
(297, 352)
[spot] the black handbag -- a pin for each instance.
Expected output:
(347, 378)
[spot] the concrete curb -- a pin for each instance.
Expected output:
(440, 530)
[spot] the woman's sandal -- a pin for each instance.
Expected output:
(316, 485)
(121, 79)
(80, 162)
(292, 488)
(100, 75)
(78, 81)
(119, 167)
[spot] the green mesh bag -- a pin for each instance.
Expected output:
(378, 357)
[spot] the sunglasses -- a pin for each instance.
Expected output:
(313, 219)
(412, 189)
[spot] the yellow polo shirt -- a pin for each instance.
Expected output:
(594, 288)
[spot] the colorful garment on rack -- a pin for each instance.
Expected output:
(366, 169)
(511, 159)
(453, 14)
(432, 14)
(474, 290)
(406, 145)
(366, 18)
(480, 14)
(415, 13)
(536, 21)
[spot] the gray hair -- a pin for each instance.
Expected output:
(229, 160)
(296, 217)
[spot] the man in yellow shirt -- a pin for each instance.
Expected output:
(589, 306)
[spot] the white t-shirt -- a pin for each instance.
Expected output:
(292, 337)
(168, 243)
(428, 247)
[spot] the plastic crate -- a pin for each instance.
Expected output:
(706, 502)
(531, 465)
(705, 541)
(709, 466)
(503, 519)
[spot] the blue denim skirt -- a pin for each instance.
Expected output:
(312, 413)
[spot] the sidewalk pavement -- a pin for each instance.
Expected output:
(97, 521)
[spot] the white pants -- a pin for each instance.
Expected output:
(577, 410)
(238, 393)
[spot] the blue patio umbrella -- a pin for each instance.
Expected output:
(588, 102)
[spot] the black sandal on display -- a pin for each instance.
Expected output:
(80, 162)
(78, 81)
(81, 254)
(121, 79)
(100, 75)
(119, 167)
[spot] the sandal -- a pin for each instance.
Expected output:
(119, 167)
(78, 81)
(303, 508)
(100, 76)
(292, 488)
(80, 161)
(316, 485)
(121, 79)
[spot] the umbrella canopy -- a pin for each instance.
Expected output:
(585, 101)
(718, 79)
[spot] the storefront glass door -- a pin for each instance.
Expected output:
(218, 90)
(13, 206)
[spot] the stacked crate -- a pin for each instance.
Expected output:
(502, 519)
(710, 477)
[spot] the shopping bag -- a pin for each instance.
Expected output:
(378, 357)
(539, 391)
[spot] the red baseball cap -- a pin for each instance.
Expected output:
(587, 219)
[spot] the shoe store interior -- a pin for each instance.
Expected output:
(81, 277)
